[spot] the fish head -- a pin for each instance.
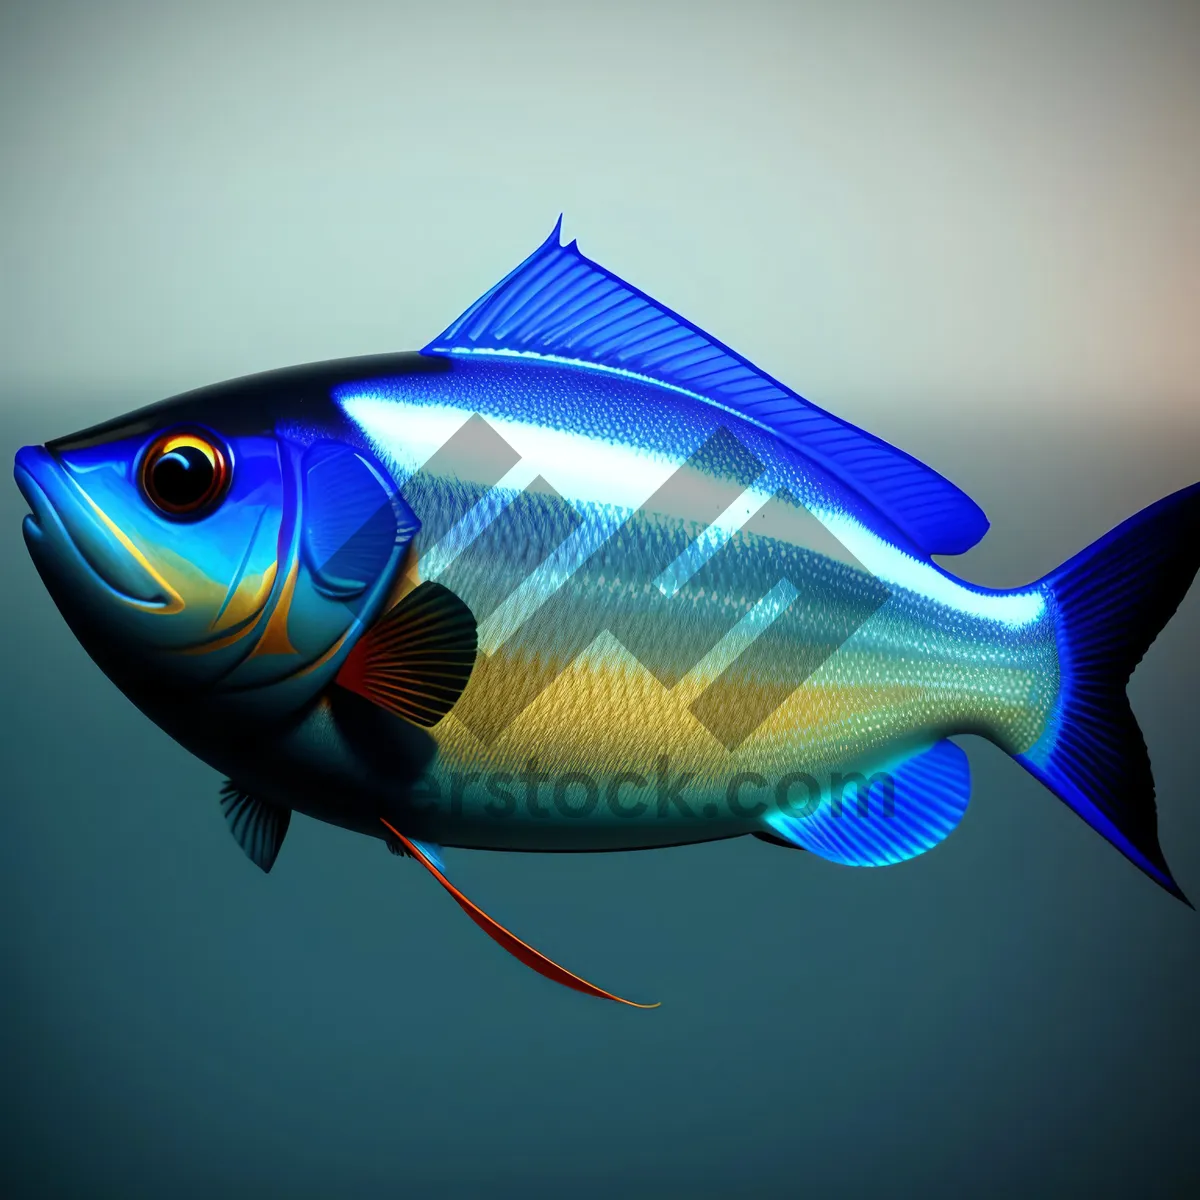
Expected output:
(211, 556)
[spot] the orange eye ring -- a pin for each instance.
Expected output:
(184, 473)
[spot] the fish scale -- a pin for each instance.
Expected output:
(961, 671)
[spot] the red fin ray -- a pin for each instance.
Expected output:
(416, 660)
(520, 950)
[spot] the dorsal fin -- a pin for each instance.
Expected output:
(559, 304)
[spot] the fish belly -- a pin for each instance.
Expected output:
(614, 716)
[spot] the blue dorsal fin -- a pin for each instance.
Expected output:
(928, 796)
(559, 303)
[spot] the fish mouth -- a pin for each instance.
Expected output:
(65, 528)
(40, 510)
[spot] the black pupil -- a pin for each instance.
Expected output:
(182, 477)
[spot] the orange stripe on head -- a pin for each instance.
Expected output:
(247, 593)
(275, 638)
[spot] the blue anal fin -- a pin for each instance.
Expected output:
(257, 826)
(562, 307)
(899, 814)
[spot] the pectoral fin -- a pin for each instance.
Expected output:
(416, 660)
(513, 944)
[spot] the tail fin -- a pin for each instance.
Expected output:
(1111, 601)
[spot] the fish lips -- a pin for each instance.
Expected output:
(65, 534)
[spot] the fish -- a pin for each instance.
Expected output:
(577, 576)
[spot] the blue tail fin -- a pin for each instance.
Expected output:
(1112, 599)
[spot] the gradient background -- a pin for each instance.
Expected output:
(969, 227)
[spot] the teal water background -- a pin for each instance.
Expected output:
(974, 236)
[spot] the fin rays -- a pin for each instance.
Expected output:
(519, 949)
(416, 660)
(257, 826)
(560, 305)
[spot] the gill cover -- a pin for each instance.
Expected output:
(353, 521)
(338, 553)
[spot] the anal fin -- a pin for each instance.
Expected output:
(257, 826)
(904, 812)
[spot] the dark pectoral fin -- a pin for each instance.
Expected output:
(417, 658)
(258, 827)
(513, 944)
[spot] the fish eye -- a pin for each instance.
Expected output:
(185, 473)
